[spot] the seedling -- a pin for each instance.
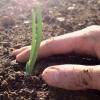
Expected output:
(36, 39)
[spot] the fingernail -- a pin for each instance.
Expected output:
(51, 76)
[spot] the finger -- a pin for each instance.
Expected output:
(75, 42)
(23, 56)
(17, 51)
(73, 77)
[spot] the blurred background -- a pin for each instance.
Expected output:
(59, 17)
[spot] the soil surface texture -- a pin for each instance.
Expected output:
(59, 17)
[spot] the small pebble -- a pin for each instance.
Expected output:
(61, 19)
(26, 22)
(19, 74)
(13, 62)
(72, 7)
(22, 98)
(11, 78)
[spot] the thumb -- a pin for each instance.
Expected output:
(73, 77)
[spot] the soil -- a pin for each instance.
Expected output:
(59, 17)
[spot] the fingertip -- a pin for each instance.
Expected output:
(14, 52)
(50, 75)
(23, 56)
(19, 58)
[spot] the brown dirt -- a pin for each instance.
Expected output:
(15, 32)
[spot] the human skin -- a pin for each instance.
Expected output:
(71, 77)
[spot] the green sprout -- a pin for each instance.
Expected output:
(36, 39)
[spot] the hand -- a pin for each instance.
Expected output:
(72, 77)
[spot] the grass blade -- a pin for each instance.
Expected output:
(36, 39)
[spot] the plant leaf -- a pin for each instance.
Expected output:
(36, 39)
